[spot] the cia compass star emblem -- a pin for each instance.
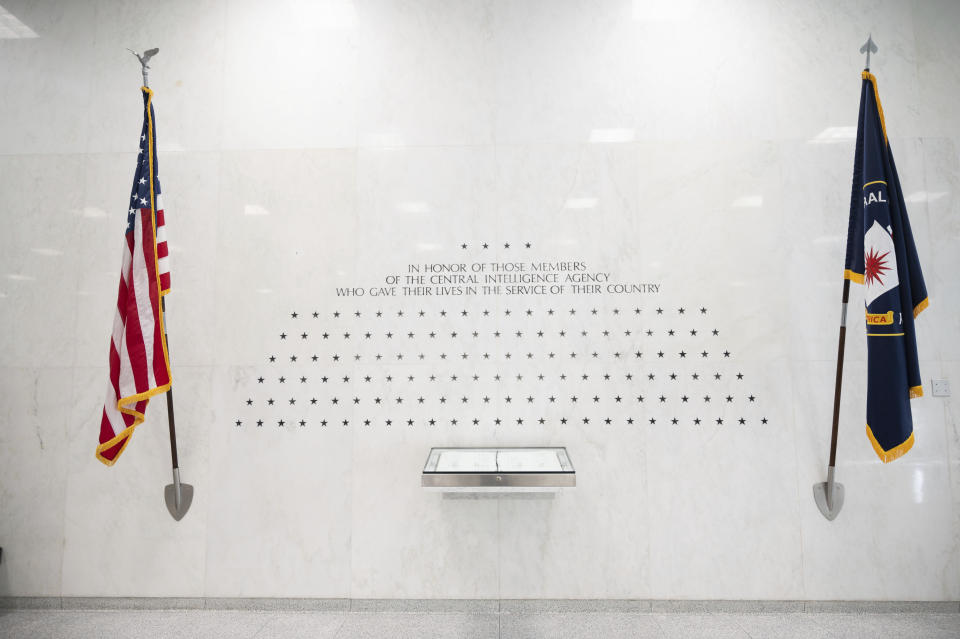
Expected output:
(880, 264)
(875, 267)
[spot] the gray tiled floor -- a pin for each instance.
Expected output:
(236, 624)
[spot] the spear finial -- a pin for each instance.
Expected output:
(868, 47)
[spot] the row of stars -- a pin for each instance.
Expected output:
(540, 377)
(506, 245)
(508, 399)
(507, 312)
(464, 356)
(696, 421)
(563, 333)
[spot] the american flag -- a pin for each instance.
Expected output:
(139, 363)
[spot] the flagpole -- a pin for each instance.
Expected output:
(839, 383)
(178, 495)
(828, 495)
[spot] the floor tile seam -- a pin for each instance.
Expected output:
(339, 630)
(663, 633)
(743, 629)
(262, 627)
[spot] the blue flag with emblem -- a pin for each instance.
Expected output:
(882, 256)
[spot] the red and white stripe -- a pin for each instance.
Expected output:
(163, 253)
(139, 365)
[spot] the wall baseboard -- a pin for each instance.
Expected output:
(477, 606)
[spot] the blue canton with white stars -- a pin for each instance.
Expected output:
(140, 193)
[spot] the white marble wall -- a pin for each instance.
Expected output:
(306, 145)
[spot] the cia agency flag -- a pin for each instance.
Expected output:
(139, 363)
(881, 255)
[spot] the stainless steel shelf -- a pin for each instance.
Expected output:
(498, 470)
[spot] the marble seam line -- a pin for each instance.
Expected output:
(496, 606)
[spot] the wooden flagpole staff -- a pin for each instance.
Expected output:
(829, 494)
(178, 495)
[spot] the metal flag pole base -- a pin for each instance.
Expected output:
(179, 496)
(829, 496)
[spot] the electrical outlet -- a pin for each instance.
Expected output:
(940, 387)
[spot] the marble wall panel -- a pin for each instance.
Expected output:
(33, 451)
(714, 87)
(280, 508)
(711, 535)
(420, 205)
(425, 73)
(118, 535)
(567, 79)
(286, 231)
(952, 429)
(40, 258)
(46, 83)
(940, 190)
(592, 541)
(416, 543)
(938, 78)
(288, 72)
